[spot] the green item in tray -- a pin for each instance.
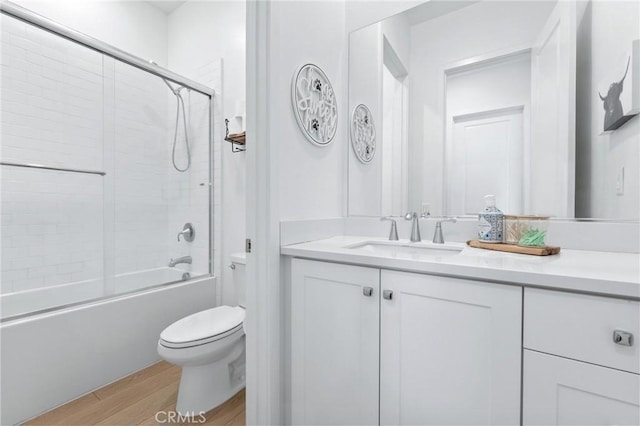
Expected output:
(532, 238)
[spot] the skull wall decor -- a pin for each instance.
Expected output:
(613, 112)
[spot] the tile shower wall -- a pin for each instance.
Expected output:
(51, 229)
(222, 24)
(141, 159)
(188, 193)
(51, 113)
(68, 106)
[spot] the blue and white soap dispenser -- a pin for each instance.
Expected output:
(490, 222)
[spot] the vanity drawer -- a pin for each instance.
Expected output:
(582, 327)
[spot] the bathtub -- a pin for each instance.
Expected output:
(41, 299)
(51, 358)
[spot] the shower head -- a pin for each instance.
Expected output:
(173, 90)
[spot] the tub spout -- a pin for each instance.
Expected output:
(183, 259)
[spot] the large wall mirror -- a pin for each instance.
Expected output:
(500, 97)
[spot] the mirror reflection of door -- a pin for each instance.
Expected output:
(393, 151)
(529, 155)
(487, 133)
(487, 158)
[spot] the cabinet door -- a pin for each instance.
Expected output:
(450, 351)
(334, 343)
(561, 391)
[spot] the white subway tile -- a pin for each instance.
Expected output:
(42, 271)
(27, 262)
(70, 267)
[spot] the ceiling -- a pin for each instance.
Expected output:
(433, 9)
(167, 6)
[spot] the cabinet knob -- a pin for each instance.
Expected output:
(623, 338)
(387, 294)
(367, 291)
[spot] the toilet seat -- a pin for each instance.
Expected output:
(203, 327)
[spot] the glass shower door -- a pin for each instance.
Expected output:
(51, 177)
(93, 189)
(160, 180)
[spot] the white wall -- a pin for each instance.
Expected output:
(599, 158)
(437, 44)
(201, 33)
(141, 28)
(486, 87)
(312, 179)
(302, 180)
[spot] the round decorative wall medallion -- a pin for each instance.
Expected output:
(314, 104)
(363, 133)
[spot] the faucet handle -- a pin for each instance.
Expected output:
(438, 238)
(188, 232)
(393, 234)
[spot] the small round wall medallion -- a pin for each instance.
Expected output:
(314, 104)
(363, 133)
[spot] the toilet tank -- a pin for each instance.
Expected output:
(239, 266)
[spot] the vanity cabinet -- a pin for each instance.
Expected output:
(575, 372)
(335, 343)
(451, 351)
(561, 391)
(371, 346)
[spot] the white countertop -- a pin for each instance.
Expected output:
(605, 273)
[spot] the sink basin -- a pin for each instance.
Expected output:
(405, 250)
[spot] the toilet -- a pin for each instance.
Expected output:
(210, 348)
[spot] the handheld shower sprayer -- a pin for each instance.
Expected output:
(179, 106)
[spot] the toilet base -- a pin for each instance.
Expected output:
(204, 387)
(202, 390)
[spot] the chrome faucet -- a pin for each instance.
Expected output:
(438, 238)
(415, 226)
(393, 234)
(183, 259)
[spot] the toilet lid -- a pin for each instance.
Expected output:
(204, 325)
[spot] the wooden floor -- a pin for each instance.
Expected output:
(136, 399)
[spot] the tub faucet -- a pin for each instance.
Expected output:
(183, 259)
(188, 232)
(415, 226)
(438, 238)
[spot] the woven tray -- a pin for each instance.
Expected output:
(511, 248)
